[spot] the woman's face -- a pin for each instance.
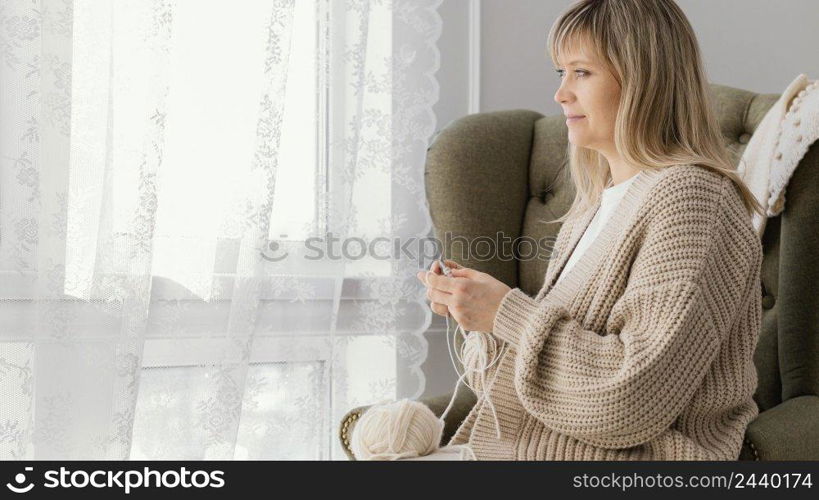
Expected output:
(589, 90)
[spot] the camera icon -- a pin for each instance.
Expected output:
(20, 478)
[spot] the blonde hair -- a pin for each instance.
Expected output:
(665, 116)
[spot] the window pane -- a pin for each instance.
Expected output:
(294, 204)
(282, 414)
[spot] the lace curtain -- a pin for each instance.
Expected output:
(211, 216)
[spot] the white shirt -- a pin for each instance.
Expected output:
(610, 198)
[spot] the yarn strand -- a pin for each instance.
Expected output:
(483, 364)
(409, 429)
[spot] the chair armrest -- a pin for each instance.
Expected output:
(788, 431)
(460, 409)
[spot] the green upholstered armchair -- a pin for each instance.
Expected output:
(515, 163)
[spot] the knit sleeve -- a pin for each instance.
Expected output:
(618, 390)
(625, 388)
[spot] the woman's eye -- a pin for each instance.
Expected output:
(580, 73)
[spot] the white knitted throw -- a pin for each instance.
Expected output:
(778, 145)
(798, 131)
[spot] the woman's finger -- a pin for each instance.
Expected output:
(424, 276)
(439, 297)
(439, 309)
(465, 272)
(445, 283)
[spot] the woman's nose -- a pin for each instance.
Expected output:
(562, 95)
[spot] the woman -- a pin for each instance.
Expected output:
(640, 344)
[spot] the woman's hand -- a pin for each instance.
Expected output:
(470, 296)
(438, 309)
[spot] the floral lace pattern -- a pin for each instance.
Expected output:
(234, 356)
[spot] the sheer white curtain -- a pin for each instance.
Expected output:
(211, 216)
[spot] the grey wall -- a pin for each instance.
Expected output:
(453, 75)
(758, 45)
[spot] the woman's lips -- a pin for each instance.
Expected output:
(572, 120)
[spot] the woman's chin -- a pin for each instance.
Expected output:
(577, 141)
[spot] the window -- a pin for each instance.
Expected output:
(215, 82)
(285, 393)
(210, 136)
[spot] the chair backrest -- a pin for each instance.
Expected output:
(492, 179)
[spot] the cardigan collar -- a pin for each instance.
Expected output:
(566, 289)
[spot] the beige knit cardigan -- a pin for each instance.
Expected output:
(644, 351)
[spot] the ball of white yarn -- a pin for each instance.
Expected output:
(478, 352)
(396, 430)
